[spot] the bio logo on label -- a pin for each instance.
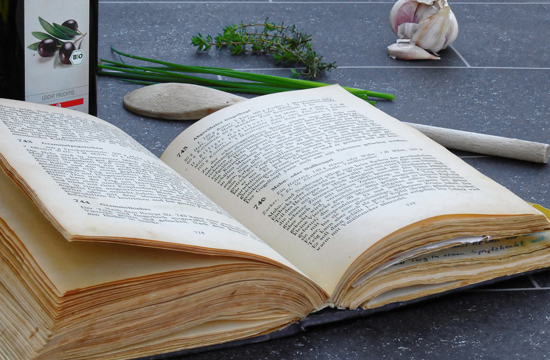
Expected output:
(77, 57)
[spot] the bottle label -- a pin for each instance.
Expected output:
(57, 44)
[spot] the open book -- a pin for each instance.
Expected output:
(254, 217)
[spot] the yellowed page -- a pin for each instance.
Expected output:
(79, 265)
(94, 182)
(75, 297)
(455, 267)
(321, 175)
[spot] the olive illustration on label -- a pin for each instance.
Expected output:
(47, 47)
(65, 52)
(57, 40)
(71, 24)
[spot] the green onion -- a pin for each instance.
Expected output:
(253, 84)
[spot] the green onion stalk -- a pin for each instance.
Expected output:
(259, 84)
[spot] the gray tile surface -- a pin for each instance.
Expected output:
(495, 79)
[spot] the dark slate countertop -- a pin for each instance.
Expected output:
(494, 79)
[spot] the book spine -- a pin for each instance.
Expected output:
(49, 52)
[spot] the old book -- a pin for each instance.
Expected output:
(253, 218)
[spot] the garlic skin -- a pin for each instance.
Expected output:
(404, 50)
(429, 24)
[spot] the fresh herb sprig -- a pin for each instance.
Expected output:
(286, 44)
(248, 83)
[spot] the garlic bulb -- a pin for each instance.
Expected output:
(429, 24)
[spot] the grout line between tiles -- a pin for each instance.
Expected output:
(511, 289)
(460, 56)
(312, 2)
(409, 67)
(186, 2)
(392, 2)
(535, 283)
(245, 2)
(502, 3)
(443, 67)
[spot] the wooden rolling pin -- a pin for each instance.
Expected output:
(486, 144)
(192, 102)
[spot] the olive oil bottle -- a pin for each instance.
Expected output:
(48, 52)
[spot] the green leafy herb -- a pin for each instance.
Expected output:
(247, 82)
(286, 44)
